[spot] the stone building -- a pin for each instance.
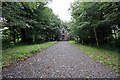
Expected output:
(63, 34)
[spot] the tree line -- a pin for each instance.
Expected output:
(29, 22)
(96, 23)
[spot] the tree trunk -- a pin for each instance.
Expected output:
(14, 38)
(97, 43)
(12, 33)
(23, 35)
(115, 36)
(33, 39)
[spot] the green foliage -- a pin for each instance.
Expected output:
(29, 22)
(95, 22)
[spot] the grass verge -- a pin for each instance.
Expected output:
(105, 56)
(18, 53)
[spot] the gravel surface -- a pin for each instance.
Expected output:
(59, 61)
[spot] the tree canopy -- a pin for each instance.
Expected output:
(92, 23)
(29, 22)
(96, 23)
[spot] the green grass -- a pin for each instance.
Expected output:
(104, 56)
(18, 53)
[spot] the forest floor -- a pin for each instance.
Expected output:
(62, 60)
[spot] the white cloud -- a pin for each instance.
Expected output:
(60, 8)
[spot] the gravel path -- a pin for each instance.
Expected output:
(59, 61)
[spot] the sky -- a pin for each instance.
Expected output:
(60, 8)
